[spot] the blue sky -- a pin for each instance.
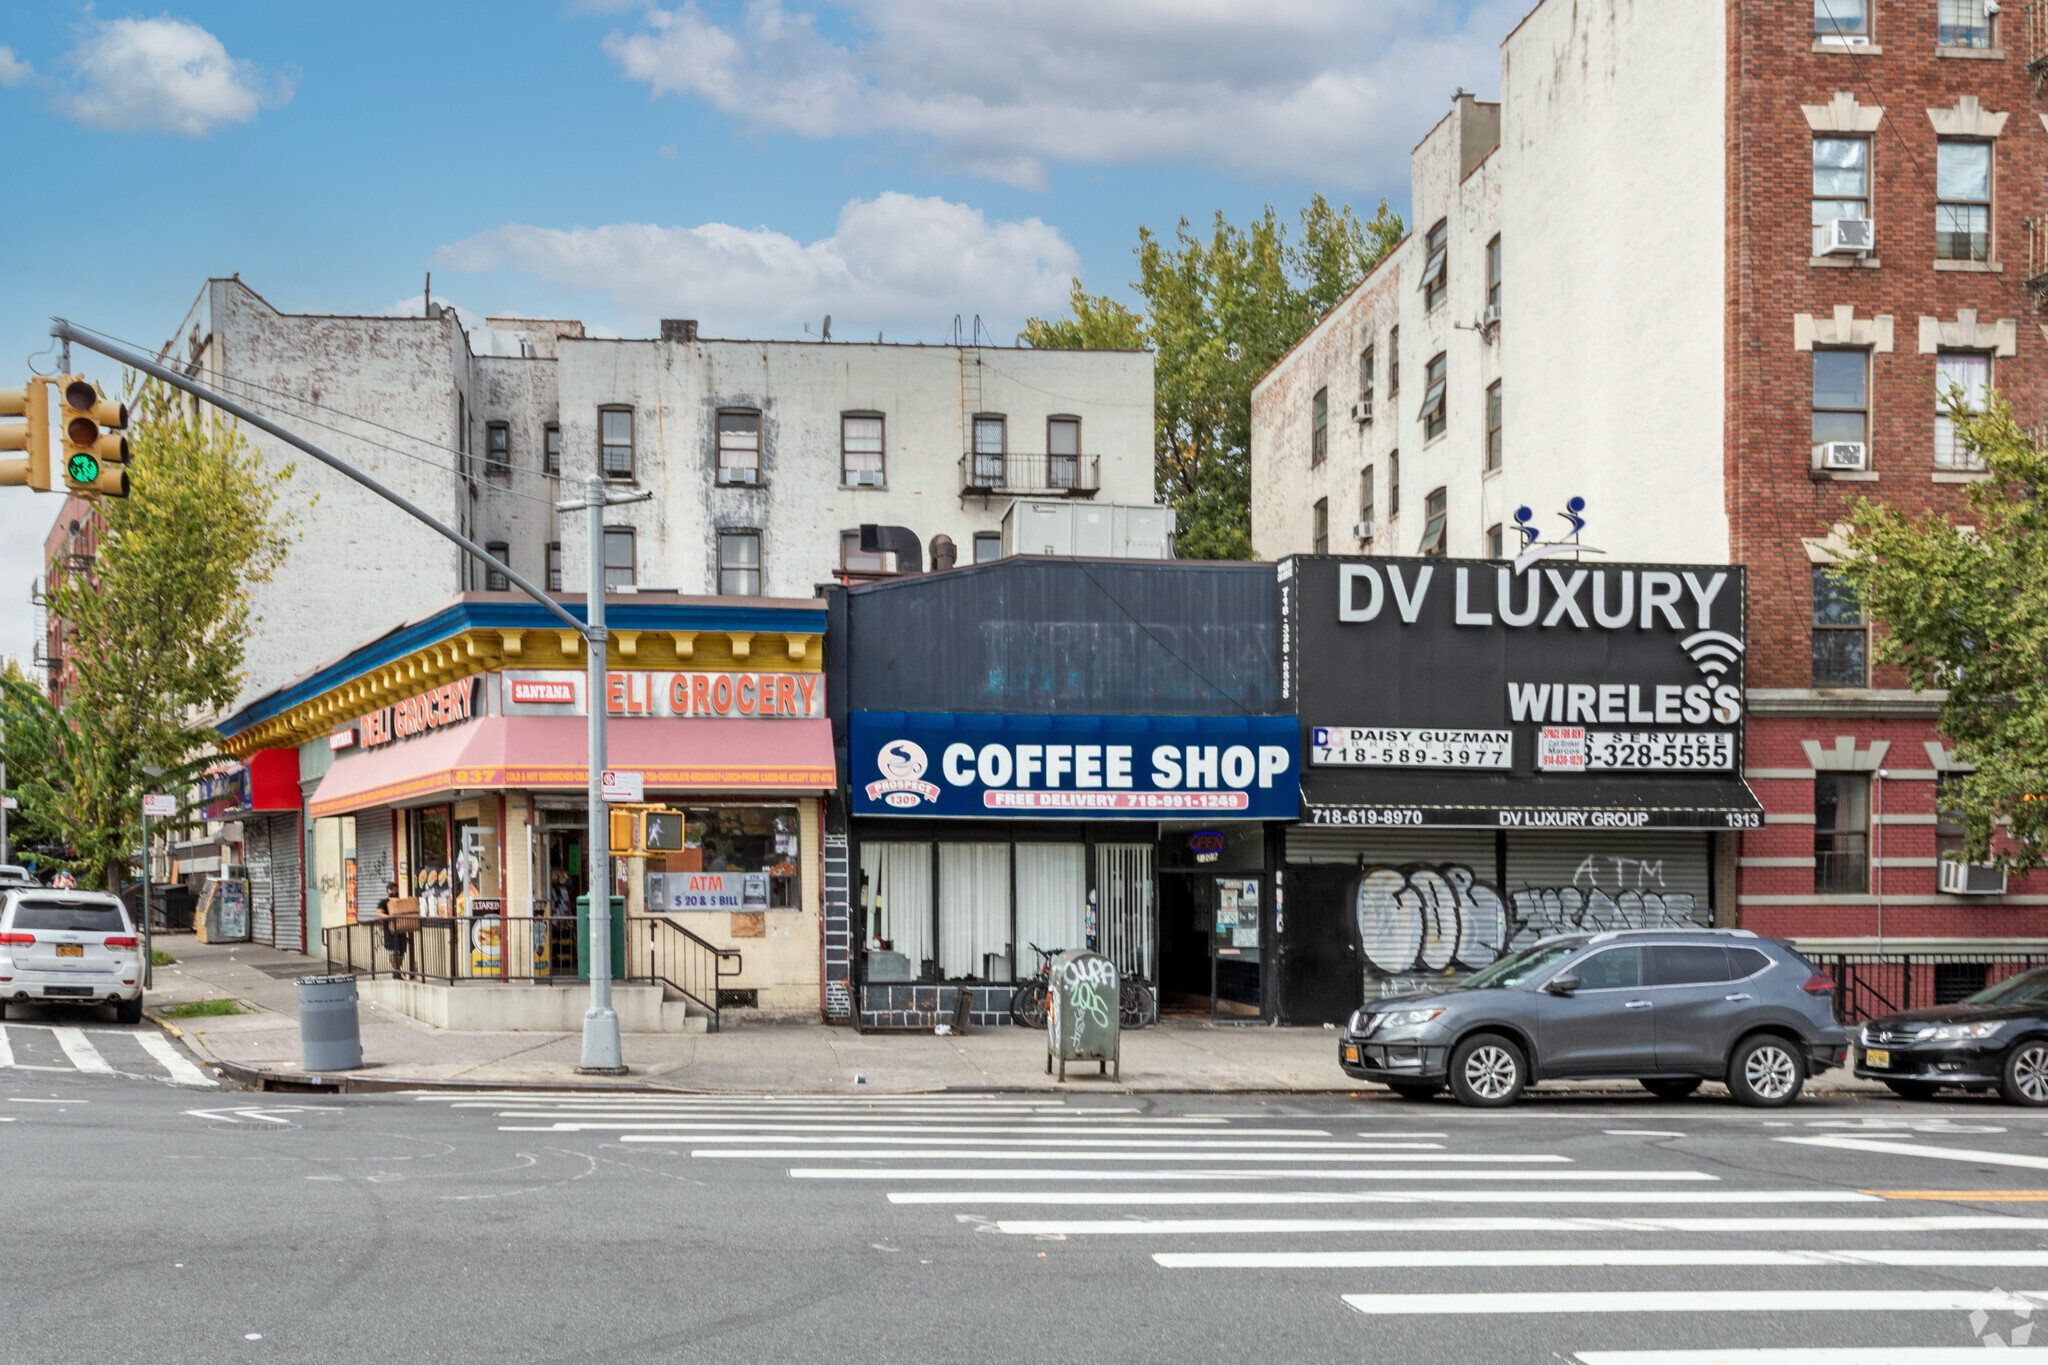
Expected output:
(753, 165)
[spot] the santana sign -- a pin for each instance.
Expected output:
(1069, 767)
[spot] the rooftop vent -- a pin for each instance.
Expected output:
(679, 329)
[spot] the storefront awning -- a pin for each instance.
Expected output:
(549, 753)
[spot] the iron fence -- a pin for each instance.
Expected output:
(1869, 985)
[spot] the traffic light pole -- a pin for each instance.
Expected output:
(600, 1022)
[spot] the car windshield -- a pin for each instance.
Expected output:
(2025, 989)
(87, 917)
(1512, 971)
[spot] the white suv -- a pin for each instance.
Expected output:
(70, 947)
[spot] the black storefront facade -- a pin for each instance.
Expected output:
(1060, 753)
(1493, 752)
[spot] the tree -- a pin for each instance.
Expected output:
(1964, 608)
(1219, 313)
(155, 632)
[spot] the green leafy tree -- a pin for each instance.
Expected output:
(1964, 608)
(1219, 312)
(156, 632)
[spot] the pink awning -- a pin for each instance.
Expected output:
(550, 753)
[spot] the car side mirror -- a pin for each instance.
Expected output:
(1561, 985)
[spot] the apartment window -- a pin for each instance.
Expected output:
(1841, 18)
(1365, 359)
(739, 563)
(1493, 272)
(1393, 361)
(618, 557)
(1322, 526)
(860, 451)
(554, 566)
(1436, 266)
(1963, 23)
(1841, 638)
(990, 441)
(1435, 403)
(1493, 441)
(1841, 832)
(1319, 430)
(1433, 518)
(1962, 190)
(1841, 179)
(1365, 502)
(1393, 483)
(1496, 542)
(1951, 836)
(739, 447)
(497, 448)
(495, 581)
(1964, 378)
(551, 449)
(853, 558)
(1841, 396)
(988, 546)
(462, 432)
(615, 441)
(1063, 452)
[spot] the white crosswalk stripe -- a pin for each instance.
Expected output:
(138, 1053)
(1310, 1200)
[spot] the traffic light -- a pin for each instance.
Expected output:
(92, 459)
(32, 438)
(663, 831)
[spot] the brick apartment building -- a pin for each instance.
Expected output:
(1623, 285)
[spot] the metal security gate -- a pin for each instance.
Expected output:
(373, 860)
(256, 844)
(288, 889)
(1129, 925)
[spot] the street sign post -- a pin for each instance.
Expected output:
(621, 785)
(163, 807)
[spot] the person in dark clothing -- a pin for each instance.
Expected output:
(394, 939)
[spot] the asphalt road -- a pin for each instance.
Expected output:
(160, 1222)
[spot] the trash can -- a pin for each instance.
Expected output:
(618, 927)
(330, 1039)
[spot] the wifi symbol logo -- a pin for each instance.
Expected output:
(1713, 651)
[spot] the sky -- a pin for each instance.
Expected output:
(754, 164)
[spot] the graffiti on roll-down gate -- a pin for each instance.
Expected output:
(1423, 919)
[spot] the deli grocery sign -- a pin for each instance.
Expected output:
(1073, 767)
(724, 695)
(1565, 695)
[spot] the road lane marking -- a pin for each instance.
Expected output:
(1232, 1227)
(1550, 1303)
(564, 1120)
(1228, 1149)
(180, 1066)
(84, 1056)
(6, 1048)
(1982, 1158)
(1501, 1197)
(1429, 1259)
(1805, 1355)
(1968, 1196)
(1639, 1132)
(1324, 1173)
(1062, 1154)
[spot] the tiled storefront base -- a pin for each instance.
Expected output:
(925, 1006)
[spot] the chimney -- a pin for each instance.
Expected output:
(944, 553)
(679, 329)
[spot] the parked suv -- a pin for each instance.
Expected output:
(1995, 1039)
(70, 947)
(1671, 1007)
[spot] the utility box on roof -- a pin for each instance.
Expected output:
(1087, 529)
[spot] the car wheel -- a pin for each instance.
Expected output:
(2025, 1080)
(1912, 1090)
(128, 1011)
(1413, 1090)
(1672, 1087)
(1488, 1071)
(1766, 1072)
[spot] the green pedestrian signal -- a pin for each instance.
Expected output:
(82, 468)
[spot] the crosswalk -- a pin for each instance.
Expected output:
(139, 1053)
(1396, 1221)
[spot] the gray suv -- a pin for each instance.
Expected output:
(1671, 1007)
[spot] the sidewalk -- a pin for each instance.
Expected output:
(262, 1047)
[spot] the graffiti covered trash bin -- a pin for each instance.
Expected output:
(1083, 1023)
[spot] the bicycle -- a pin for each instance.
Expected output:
(1031, 1008)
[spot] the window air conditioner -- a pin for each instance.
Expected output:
(1838, 456)
(1971, 879)
(1844, 40)
(1491, 317)
(739, 475)
(1847, 237)
(1361, 411)
(865, 478)
(1362, 530)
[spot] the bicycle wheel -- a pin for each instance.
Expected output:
(1134, 1004)
(1027, 1004)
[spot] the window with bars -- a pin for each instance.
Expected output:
(615, 442)
(1841, 637)
(739, 447)
(860, 450)
(1435, 512)
(1493, 433)
(1319, 429)
(1322, 526)
(1841, 833)
(618, 557)
(1841, 179)
(1962, 386)
(739, 563)
(1962, 191)
(494, 580)
(1436, 265)
(1435, 413)
(1963, 23)
(554, 566)
(551, 449)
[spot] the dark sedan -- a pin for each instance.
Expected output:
(1997, 1040)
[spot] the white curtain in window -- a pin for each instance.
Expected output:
(899, 897)
(974, 910)
(1123, 882)
(1971, 374)
(1052, 899)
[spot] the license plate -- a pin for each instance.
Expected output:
(1877, 1056)
(71, 950)
(1350, 1053)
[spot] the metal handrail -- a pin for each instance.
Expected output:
(682, 962)
(1868, 985)
(1043, 475)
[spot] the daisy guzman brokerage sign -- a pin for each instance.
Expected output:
(1617, 688)
(1073, 767)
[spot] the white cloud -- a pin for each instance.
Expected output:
(164, 75)
(894, 263)
(13, 70)
(1000, 88)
